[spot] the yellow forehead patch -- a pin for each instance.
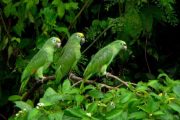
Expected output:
(58, 40)
(80, 34)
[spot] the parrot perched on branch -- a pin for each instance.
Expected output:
(40, 62)
(69, 56)
(103, 58)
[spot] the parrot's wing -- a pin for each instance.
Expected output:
(67, 61)
(99, 62)
(36, 62)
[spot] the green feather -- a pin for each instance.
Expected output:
(101, 60)
(39, 62)
(70, 55)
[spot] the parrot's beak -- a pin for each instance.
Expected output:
(82, 41)
(125, 47)
(59, 44)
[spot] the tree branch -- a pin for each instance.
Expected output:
(117, 78)
(79, 80)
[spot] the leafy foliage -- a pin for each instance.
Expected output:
(156, 99)
(26, 24)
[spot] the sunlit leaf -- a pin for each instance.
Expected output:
(34, 114)
(113, 114)
(23, 105)
(66, 86)
(96, 94)
(137, 115)
(56, 115)
(14, 98)
(175, 107)
(176, 90)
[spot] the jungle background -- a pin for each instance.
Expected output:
(151, 30)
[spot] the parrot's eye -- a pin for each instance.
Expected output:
(53, 40)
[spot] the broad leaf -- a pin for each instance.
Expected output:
(23, 105)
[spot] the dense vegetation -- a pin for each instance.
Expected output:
(151, 62)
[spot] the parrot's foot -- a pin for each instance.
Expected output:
(41, 79)
(107, 74)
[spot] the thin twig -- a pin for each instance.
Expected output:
(97, 38)
(79, 80)
(115, 77)
(145, 55)
(76, 17)
(2, 116)
(93, 82)
(3, 22)
(74, 77)
(77, 83)
(84, 6)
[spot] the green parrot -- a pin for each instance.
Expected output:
(103, 58)
(69, 56)
(39, 62)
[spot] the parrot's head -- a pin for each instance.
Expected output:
(80, 36)
(123, 44)
(56, 41)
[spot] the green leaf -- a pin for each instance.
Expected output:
(126, 97)
(14, 98)
(51, 97)
(4, 43)
(92, 107)
(71, 5)
(19, 27)
(96, 94)
(49, 92)
(150, 106)
(176, 90)
(79, 99)
(154, 84)
(50, 16)
(133, 23)
(9, 9)
(89, 87)
(61, 10)
(16, 39)
(34, 114)
(56, 115)
(23, 105)
(113, 114)
(66, 87)
(137, 115)
(76, 112)
(158, 113)
(175, 107)
(63, 29)
(10, 51)
(6, 1)
(65, 117)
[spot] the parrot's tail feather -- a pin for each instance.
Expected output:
(24, 80)
(23, 87)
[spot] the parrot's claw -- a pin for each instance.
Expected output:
(107, 74)
(42, 79)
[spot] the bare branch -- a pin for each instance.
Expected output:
(117, 78)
